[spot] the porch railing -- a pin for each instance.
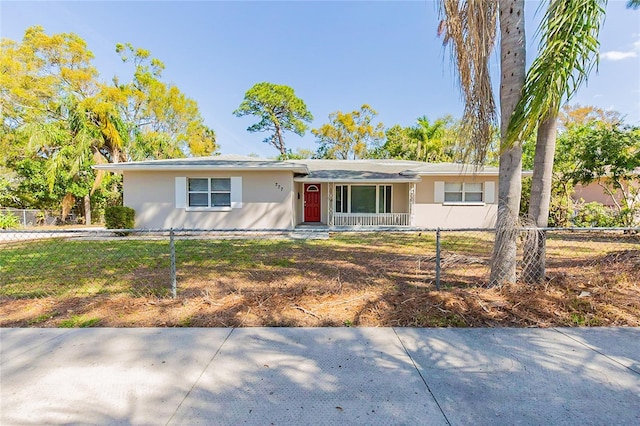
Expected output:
(371, 219)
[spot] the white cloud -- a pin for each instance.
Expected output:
(615, 55)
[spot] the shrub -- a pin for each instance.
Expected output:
(119, 217)
(9, 221)
(595, 215)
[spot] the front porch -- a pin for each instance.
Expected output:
(371, 219)
(379, 204)
(371, 204)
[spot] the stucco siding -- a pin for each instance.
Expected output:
(270, 201)
(429, 214)
(298, 201)
(596, 192)
(401, 198)
(443, 216)
(267, 201)
(324, 202)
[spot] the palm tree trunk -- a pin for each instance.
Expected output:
(535, 247)
(512, 64)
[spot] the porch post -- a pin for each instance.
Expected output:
(330, 191)
(412, 201)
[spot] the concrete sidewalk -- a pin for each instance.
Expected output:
(320, 376)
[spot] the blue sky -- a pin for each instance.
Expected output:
(336, 55)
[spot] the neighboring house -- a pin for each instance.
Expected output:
(602, 192)
(235, 192)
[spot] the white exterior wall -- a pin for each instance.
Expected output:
(267, 201)
(431, 214)
(270, 201)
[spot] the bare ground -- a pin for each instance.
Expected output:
(369, 286)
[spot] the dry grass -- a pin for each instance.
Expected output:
(351, 280)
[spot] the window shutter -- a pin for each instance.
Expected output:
(438, 192)
(490, 192)
(181, 192)
(236, 192)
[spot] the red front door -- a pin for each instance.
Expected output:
(312, 202)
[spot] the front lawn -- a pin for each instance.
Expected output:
(350, 279)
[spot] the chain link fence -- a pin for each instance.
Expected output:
(213, 264)
(30, 217)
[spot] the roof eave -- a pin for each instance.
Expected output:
(526, 173)
(355, 180)
(129, 168)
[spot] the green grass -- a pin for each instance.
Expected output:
(56, 267)
(79, 321)
(43, 318)
(64, 268)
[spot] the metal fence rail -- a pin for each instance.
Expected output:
(167, 263)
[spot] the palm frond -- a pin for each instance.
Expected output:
(43, 138)
(468, 28)
(98, 158)
(55, 165)
(567, 53)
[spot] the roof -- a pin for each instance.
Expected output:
(313, 170)
(454, 169)
(224, 162)
(357, 170)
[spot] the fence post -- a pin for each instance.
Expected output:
(438, 259)
(172, 257)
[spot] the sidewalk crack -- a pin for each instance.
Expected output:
(422, 377)
(598, 352)
(206, 367)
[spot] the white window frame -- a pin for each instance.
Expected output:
(209, 192)
(344, 201)
(349, 190)
(464, 192)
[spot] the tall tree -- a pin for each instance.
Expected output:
(349, 135)
(278, 109)
(433, 139)
(160, 120)
(59, 119)
(469, 28)
(568, 51)
(48, 79)
(610, 157)
(512, 70)
(579, 115)
(430, 141)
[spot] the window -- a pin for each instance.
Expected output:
(209, 192)
(462, 192)
(384, 199)
(473, 192)
(342, 198)
(363, 199)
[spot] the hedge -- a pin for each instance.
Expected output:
(119, 217)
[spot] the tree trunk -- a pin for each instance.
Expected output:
(512, 70)
(87, 209)
(280, 146)
(535, 246)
